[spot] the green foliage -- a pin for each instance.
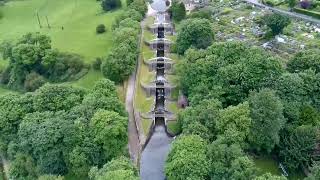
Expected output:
(201, 13)
(296, 147)
(194, 33)
(23, 167)
(33, 81)
(267, 120)
(110, 130)
(187, 159)
(121, 62)
(269, 176)
(140, 6)
(101, 28)
(309, 59)
(227, 161)
(33, 54)
(201, 119)
(292, 3)
(57, 97)
(276, 22)
(234, 123)
(96, 65)
(177, 11)
(53, 128)
(226, 71)
(117, 169)
(314, 173)
(108, 5)
(297, 90)
(12, 109)
(314, 14)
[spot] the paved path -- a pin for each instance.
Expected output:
(292, 14)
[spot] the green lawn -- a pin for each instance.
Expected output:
(267, 164)
(173, 127)
(78, 18)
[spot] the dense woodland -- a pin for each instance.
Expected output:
(243, 101)
(61, 129)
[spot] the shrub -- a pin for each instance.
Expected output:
(108, 5)
(1, 15)
(101, 28)
(177, 11)
(276, 22)
(97, 64)
(33, 81)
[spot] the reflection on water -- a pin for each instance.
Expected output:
(154, 155)
(159, 5)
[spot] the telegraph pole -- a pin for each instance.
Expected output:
(39, 20)
(48, 22)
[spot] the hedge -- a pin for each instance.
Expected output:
(307, 12)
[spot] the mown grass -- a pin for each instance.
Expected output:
(72, 28)
(173, 127)
(267, 164)
(146, 123)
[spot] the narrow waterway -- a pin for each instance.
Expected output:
(155, 152)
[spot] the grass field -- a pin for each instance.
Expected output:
(72, 27)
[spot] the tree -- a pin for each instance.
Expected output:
(292, 3)
(234, 123)
(57, 97)
(110, 130)
(47, 137)
(108, 5)
(266, 111)
(227, 161)
(201, 119)
(101, 28)
(23, 167)
(140, 6)
(315, 173)
(308, 59)
(194, 33)
(269, 176)
(120, 63)
(33, 81)
(276, 22)
(117, 169)
(12, 109)
(227, 71)
(296, 148)
(177, 11)
(187, 159)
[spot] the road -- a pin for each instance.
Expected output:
(292, 14)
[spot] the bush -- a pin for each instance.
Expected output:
(97, 64)
(33, 81)
(1, 15)
(202, 13)
(307, 12)
(276, 22)
(305, 4)
(108, 5)
(101, 28)
(177, 11)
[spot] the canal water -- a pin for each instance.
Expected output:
(156, 151)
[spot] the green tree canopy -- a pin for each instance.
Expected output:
(227, 161)
(266, 111)
(117, 169)
(177, 10)
(110, 130)
(276, 22)
(195, 33)
(187, 159)
(308, 59)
